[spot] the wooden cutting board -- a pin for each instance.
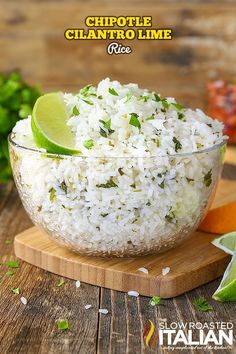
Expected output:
(193, 263)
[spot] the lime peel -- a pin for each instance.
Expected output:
(49, 125)
(226, 242)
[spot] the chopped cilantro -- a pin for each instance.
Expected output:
(178, 106)
(134, 120)
(178, 144)
(128, 97)
(104, 214)
(64, 186)
(156, 97)
(202, 305)
(88, 144)
(75, 111)
(170, 217)
(165, 104)
(85, 90)
(113, 92)
(189, 179)
(109, 184)
(63, 325)
(199, 146)
(208, 178)
(181, 116)
(103, 133)
(100, 97)
(107, 126)
(155, 300)
(52, 194)
(148, 203)
(9, 273)
(209, 125)
(12, 264)
(162, 185)
(144, 98)
(120, 170)
(60, 283)
(133, 185)
(151, 117)
(16, 291)
(88, 102)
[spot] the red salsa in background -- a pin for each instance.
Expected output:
(221, 104)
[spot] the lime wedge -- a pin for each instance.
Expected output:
(227, 288)
(226, 242)
(49, 126)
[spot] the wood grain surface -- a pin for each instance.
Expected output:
(203, 45)
(32, 328)
(193, 263)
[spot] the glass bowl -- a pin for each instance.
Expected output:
(117, 206)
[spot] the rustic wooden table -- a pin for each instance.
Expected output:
(32, 328)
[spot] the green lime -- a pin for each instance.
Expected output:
(227, 288)
(226, 242)
(49, 126)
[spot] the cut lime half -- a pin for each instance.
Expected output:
(49, 126)
(227, 288)
(226, 242)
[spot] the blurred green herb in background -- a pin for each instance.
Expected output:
(16, 102)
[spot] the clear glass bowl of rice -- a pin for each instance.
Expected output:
(139, 189)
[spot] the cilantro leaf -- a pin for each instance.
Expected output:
(151, 117)
(157, 98)
(181, 116)
(63, 186)
(134, 120)
(165, 104)
(12, 264)
(113, 91)
(17, 99)
(178, 144)
(109, 184)
(107, 128)
(202, 305)
(208, 178)
(189, 179)
(52, 195)
(155, 300)
(88, 144)
(178, 106)
(75, 111)
(120, 170)
(63, 325)
(128, 97)
(85, 90)
(9, 273)
(16, 291)
(144, 98)
(88, 102)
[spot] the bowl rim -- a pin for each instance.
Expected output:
(51, 155)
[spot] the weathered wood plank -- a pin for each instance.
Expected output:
(32, 328)
(201, 49)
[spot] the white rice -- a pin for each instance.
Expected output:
(136, 197)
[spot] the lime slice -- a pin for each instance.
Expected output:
(227, 288)
(226, 242)
(49, 126)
